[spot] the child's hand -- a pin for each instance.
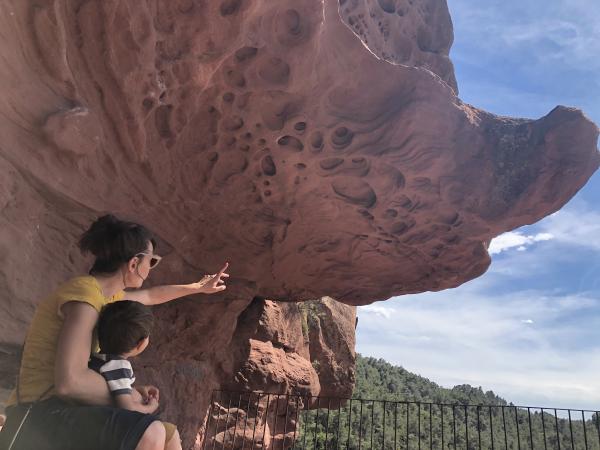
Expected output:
(152, 405)
(135, 402)
(153, 392)
(148, 392)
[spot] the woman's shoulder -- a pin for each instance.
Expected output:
(82, 283)
(83, 288)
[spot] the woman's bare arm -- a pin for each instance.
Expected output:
(209, 284)
(72, 377)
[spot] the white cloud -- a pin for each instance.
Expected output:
(577, 225)
(566, 41)
(550, 31)
(569, 259)
(516, 239)
(524, 58)
(465, 336)
(378, 310)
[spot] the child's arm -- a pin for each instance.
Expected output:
(137, 396)
(118, 374)
(127, 401)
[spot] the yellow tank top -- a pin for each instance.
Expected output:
(37, 365)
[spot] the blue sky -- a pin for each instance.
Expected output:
(529, 329)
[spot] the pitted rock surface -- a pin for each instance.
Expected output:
(408, 32)
(267, 134)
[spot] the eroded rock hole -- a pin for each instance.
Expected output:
(300, 126)
(292, 21)
(330, 163)
(291, 143)
(355, 191)
(148, 103)
(274, 70)
(229, 7)
(268, 166)
(233, 123)
(245, 53)
(388, 6)
(341, 137)
(316, 141)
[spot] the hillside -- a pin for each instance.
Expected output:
(378, 379)
(400, 409)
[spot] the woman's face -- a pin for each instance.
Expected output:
(139, 267)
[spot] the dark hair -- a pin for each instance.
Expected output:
(114, 242)
(122, 325)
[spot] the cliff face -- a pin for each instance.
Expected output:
(282, 348)
(317, 145)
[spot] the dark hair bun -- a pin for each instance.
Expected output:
(100, 232)
(113, 242)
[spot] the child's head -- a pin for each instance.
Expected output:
(124, 328)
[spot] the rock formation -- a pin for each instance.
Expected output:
(318, 146)
(303, 350)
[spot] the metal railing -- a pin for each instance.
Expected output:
(254, 420)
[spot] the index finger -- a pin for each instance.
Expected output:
(223, 269)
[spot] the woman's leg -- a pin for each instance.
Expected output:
(175, 442)
(153, 438)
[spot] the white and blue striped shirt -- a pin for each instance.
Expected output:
(116, 370)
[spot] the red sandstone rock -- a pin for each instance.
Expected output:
(266, 134)
(331, 342)
(405, 32)
(269, 352)
(304, 350)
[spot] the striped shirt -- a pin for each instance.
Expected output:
(116, 370)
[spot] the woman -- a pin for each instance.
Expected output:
(70, 404)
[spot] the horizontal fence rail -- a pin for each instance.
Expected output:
(255, 420)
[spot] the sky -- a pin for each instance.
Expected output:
(528, 329)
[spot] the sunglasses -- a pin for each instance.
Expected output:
(154, 259)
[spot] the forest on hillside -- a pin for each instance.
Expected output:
(393, 408)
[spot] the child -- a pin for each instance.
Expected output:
(123, 330)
